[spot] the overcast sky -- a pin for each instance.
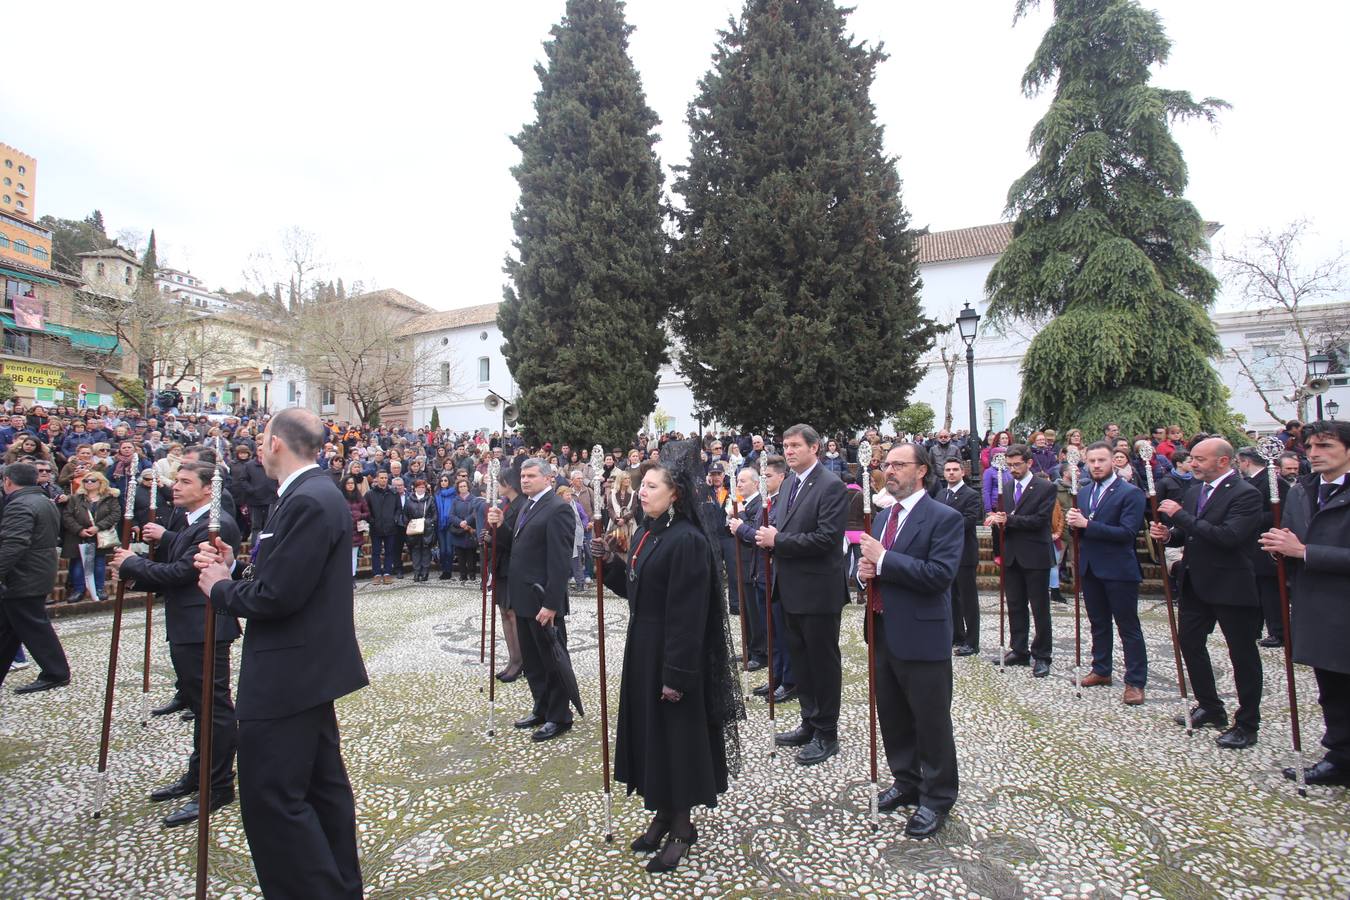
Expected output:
(384, 129)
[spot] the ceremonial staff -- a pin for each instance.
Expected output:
(740, 601)
(1071, 457)
(865, 460)
(101, 777)
(482, 582)
(768, 602)
(1272, 449)
(204, 751)
(598, 505)
(1145, 451)
(149, 612)
(494, 470)
(1000, 464)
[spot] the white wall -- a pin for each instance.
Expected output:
(461, 405)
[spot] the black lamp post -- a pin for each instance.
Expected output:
(968, 324)
(267, 383)
(1332, 408)
(1319, 364)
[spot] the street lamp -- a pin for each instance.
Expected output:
(1319, 364)
(968, 324)
(267, 382)
(1332, 408)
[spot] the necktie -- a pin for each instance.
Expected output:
(792, 494)
(1324, 492)
(524, 514)
(892, 526)
(1017, 493)
(1095, 499)
(1204, 498)
(951, 495)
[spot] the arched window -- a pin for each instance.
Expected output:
(40, 253)
(4, 242)
(126, 278)
(21, 246)
(101, 270)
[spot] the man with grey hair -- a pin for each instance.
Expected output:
(30, 544)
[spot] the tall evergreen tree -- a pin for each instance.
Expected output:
(583, 313)
(150, 262)
(796, 276)
(1106, 250)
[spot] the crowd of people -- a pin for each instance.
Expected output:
(690, 529)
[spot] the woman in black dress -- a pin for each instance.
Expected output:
(678, 699)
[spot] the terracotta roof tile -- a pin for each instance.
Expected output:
(483, 314)
(964, 243)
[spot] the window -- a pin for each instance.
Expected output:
(484, 370)
(253, 343)
(21, 246)
(7, 198)
(4, 242)
(1265, 366)
(7, 181)
(445, 374)
(23, 170)
(482, 335)
(40, 253)
(9, 164)
(327, 399)
(126, 277)
(19, 204)
(22, 189)
(994, 415)
(101, 270)
(16, 343)
(290, 392)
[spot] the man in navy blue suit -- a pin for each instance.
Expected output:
(913, 553)
(1109, 516)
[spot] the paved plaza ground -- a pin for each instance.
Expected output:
(1059, 797)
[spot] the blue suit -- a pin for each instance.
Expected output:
(1110, 570)
(913, 661)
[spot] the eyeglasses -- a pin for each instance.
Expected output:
(897, 465)
(89, 481)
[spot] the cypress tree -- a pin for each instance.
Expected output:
(150, 262)
(435, 419)
(1106, 249)
(583, 313)
(796, 275)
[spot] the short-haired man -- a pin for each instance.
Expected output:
(30, 546)
(1028, 555)
(1316, 541)
(1253, 467)
(1109, 516)
(1291, 467)
(751, 574)
(965, 597)
(807, 539)
(1216, 523)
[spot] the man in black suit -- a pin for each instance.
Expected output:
(1028, 554)
(913, 553)
(175, 579)
(1253, 467)
(747, 529)
(1217, 525)
(751, 574)
(807, 539)
(965, 595)
(536, 583)
(1316, 541)
(30, 548)
(300, 654)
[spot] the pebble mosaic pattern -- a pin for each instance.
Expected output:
(1060, 797)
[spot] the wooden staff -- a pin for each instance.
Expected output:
(204, 750)
(768, 602)
(1000, 464)
(598, 528)
(740, 602)
(494, 470)
(1271, 449)
(1071, 457)
(149, 615)
(101, 776)
(482, 581)
(1146, 454)
(865, 460)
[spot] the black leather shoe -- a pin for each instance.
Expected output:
(1270, 642)
(506, 676)
(1201, 718)
(965, 650)
(819, 750)
(189, 812)
(755, 665)
(761, 691)
(1056, 596)
(187, 715)
(797, 737)
(183, 787)
(168, 709)
(445, 576)
(784, 694)
(529, 722)
(893, 798)
(924, 823)
(41, 683)
(550, 730)
(1041, 669)
(1013, 658)
(1236, 738)
(1324, 772)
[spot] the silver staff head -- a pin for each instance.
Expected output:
(129, 510)
(864, 480)
(1073, 458)
(598, 479)
(1272, 450)
(494, 470)
(1145, 451)
(213, 520)
(1000, 463)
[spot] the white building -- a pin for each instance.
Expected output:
(190, 291)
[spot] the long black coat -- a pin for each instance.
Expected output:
(1320, 604)
(668, 752)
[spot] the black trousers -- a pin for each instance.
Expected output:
(914, 707)
(753, 608)
(1268, 586)
(420, 552)
(1333, 692)
(965, 598)
(812, 641)
(400, 541)
(1241, 626)
(1028, 588)
(23, 621)
(297, 806)
(464, 557)
(536, 656)
(187, 665)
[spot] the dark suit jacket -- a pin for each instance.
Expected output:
(541, 553)
(808, 553)
(1320, 601)
(1263, 564)
(175, 579)
(1107, 546)
(752, 557)
(1216, 542)
(915, 576)
(1027, 540)
(968, 503)
(300, 646)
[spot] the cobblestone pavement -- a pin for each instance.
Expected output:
(1059, 796)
